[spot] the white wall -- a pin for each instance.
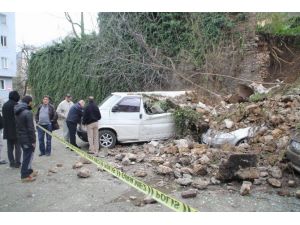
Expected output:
(9, 51)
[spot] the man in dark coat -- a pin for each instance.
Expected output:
(91, 115)
(74, 118)
(9, 129)
(26, 137)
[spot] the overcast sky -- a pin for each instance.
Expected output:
(42, 28)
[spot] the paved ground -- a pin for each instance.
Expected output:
(64, 191)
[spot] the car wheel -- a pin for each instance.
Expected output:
(242, 141)
(107, 139)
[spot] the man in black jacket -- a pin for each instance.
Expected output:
(74, 118)
(26, 137)
(91, 115)
(45, 117)
(9, 129)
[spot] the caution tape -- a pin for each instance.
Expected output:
(137, 184)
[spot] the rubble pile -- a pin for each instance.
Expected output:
(258, 161)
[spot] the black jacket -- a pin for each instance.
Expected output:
(24, 124)
(75, 114)
(1, 122)
(52, 114)
(91, 113)
(9, 123)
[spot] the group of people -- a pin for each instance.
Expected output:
(19, 130)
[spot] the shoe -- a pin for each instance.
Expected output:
(41, 154)
(91, 152)
(17, 165)
(48, 154)
(12, 165)
(34, 173)
(28, 179)
(2, 162)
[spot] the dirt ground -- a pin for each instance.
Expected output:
(64, 191)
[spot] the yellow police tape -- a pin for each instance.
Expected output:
(139, 185)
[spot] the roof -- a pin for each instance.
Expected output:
(159, 93)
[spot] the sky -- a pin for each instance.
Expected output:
(42, 28)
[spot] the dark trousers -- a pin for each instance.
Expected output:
(41, 135)
(26, 169)
(72, 130)
(14, 159)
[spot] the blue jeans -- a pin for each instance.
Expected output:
(26, 169)
(41, 135)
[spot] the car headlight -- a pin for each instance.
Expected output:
(295, 146)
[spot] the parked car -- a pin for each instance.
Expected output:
(216, 138)
(125, 118)
(293, 151)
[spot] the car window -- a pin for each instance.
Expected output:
(108, 101)
(129, 104)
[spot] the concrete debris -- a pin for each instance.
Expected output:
(275, 172)
(228, 123)
(246, 187)
(200, 184)
(274, 182)
(84, 160)
(77, 165)
(164, 170)
(185, 180)
(298, 193)
(250, 173)
(292, 183)
(126, 161)
(53, 170)
(191, 193)
(119, 157)
(140, 173)
(131, 157)
(84, 173)
(149, 200)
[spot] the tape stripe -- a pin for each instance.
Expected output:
(159, 196)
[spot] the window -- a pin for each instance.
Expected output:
(3, 41)
(2, 19)
(4, 62)
(2, 85)
(130, 104)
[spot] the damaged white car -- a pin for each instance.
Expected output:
(215, 138)
(126, 117)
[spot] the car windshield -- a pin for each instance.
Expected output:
(109, 100)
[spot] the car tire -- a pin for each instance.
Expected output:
(107, 138)
(242, 141)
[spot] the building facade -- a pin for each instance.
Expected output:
(7, 54)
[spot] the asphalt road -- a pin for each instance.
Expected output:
(64, 191)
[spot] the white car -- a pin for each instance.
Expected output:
(124, 119)
(216, 138)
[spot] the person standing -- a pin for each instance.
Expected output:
(9, 130)
(63, 110)
(45, 117)
(91, 115)
(26, 137)
(2, 161)
(74, 118)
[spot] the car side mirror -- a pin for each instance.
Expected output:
(115, 108)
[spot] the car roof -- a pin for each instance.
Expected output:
(159, 93)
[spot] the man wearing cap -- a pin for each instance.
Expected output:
(63, 111)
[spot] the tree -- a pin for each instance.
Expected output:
(74, 24)
(20, 81)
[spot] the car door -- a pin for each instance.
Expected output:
(156, 126)
(125, 118)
